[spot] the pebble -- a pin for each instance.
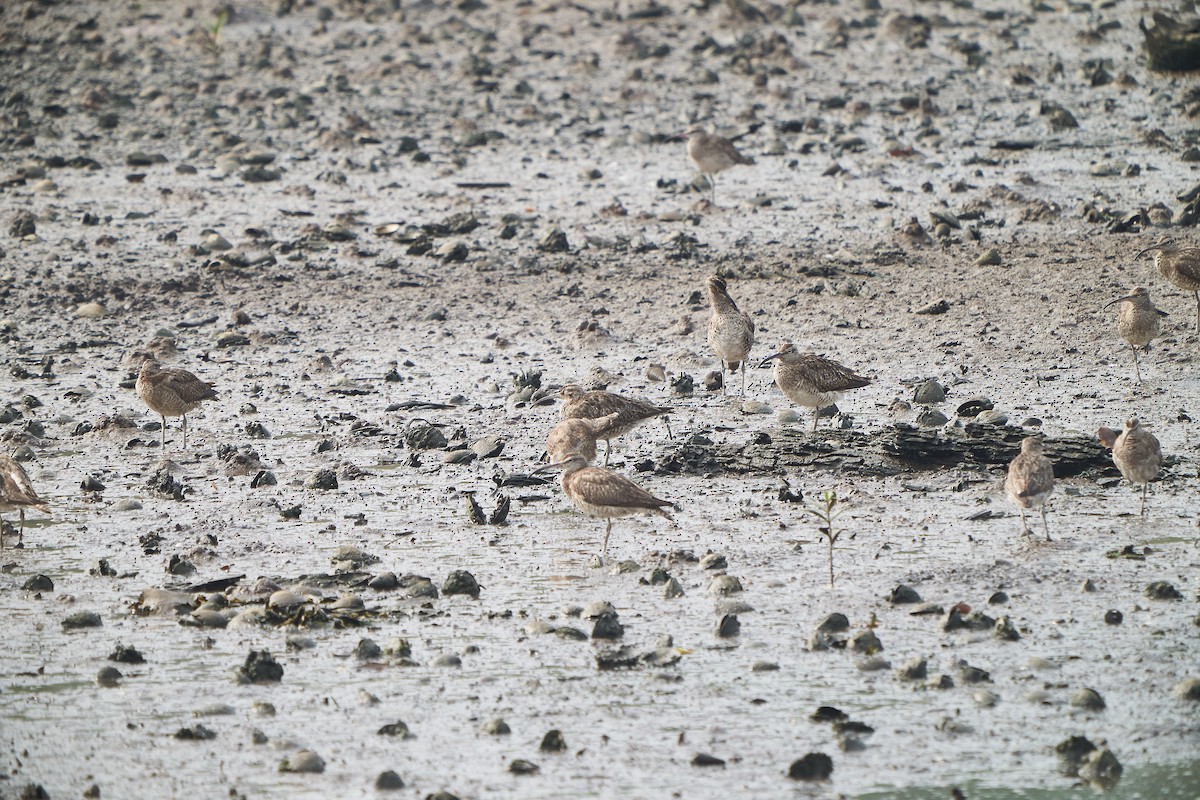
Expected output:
(672, 589)
(82, 619)
(607, 627)
(520, 766)
(723, 585)
(553, 742)
(388, 781)
(864, 641)
(496, 727)
(764, 666)
(1113, 617)
(915, 669)
(755, 407)
(322, 480)
(285, 600)
(788, 416)
(90, 310)
(713, 561)
(812, 767)
(1187, 689)
(596, 609)
(447, 660)
(929, 393)
(903, 594)
(461, 582)
(1088, 699)
(728, 626)
(108, 677)
(1162, 590)
(991, 417)
(303, 761)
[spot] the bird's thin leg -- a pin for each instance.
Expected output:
(1, 533)
(1142, 511)
(667, 422)
(1045, 525)
(21, 531)
(1197, 311)
(163, 433)
(1024, 524)
(607, 533)
(724, 369)
(1136, 370)
(816, 417)
(743, 378)
(607, 450)
(185, 431)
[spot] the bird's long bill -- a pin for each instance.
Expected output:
(1119, 300)
(549, 467)
(766, 362)
(1150, 249)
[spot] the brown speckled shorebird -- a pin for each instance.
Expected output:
(1137, 322)
(1030, 480)
(17, 494)
(576, 435)
(599, 492)
(589, 405)
(730, 332)
(713, 154)
(1179, 265)
(171, 392)
(810, 380)
(1136, 452)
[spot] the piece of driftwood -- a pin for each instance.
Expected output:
(894, 450)
(1171, 46)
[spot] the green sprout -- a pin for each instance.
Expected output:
(827, 512)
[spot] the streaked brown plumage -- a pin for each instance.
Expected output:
(1137, 454)
(730, 331)
(1179, 265)
(810, 380)
(171, 392)
(576, 435)
(1030, 480)
(599, 492)
(713, 154)
(589, 405)
(17, 494)
(1137, 322)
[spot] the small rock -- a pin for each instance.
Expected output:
(903, 595)
(672, 589)
(322, 479)
(812, 767)
(553, 742)
(929, 393)
(915, 669)
(388, 781)
(1088, 699)
(520, 766)
(1005, 630)
(496, 727)
(81, 619)
(303, 761)
(1101, 768)
(1162, 590)
(90, 310)
(1187, 689)
(260, 667)
(1113, 617)
(461, 582)
(988, 258)
(108, 677)
(607, 627)
(865, 641)
(705, 760)
(396, 729)
(728, 626)
(723, 585)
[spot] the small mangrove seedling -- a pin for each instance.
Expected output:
(212, 33)
(827, 511)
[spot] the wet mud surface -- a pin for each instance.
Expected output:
(428, 205)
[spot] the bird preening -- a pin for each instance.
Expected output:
(730, 331)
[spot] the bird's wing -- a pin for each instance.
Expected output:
(187, 386)
(830, 376)
(602, 487)
(15, 485)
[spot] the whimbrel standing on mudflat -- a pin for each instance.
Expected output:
(713, 154)
(811, 380)
(730, 332)
(589, 405)
(171, 393)
(599, 492)
(1136, 452)
(17, 494)
(1137, 322)
(1179, 265)
(1030, 480)
(576, 435)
